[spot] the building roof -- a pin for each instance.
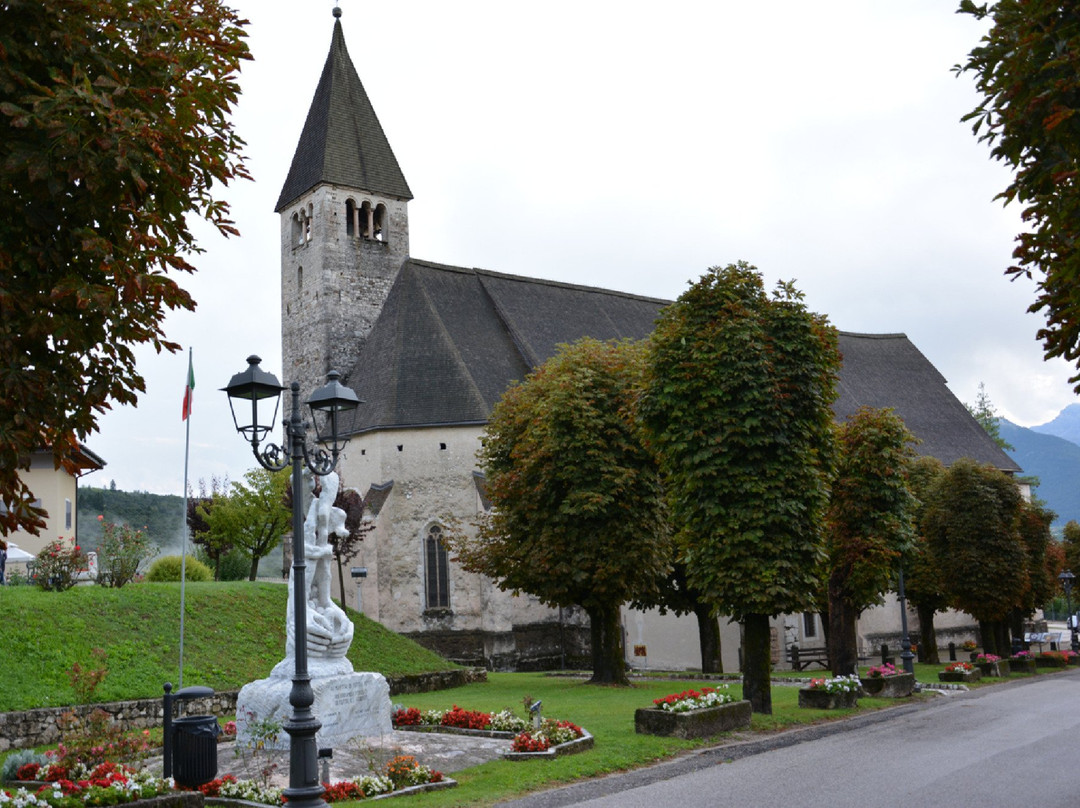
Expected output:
(450, 340)
(342, 142)
(887, 370)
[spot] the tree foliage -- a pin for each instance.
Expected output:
(215, 546)
(252, 516)
(736, 405)
(1070, 539)
(1027, 70)
(983, 412)
(972, 523)
(869, 523)
(577, 510)
(114, 131)
(352, 502)
(923, 582)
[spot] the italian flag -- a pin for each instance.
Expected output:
(189, 391)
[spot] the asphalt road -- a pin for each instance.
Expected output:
(1014, 743)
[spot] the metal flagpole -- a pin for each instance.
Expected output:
(189, 383)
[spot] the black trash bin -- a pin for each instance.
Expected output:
(195, 749)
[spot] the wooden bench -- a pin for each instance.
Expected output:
(805, 657)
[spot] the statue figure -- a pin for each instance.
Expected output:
(329, 630)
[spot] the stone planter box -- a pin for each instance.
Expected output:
(581, 744)
(993, 670)
(694, 724)
(960, 676)
(889, 687)
(1050, 662)
(824, 700)
(1022, 665)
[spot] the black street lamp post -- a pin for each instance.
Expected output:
(1067, 579)
(905, 640)
(332, 401)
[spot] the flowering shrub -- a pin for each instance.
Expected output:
(1022, 655)
(988, 658)
(551, 733)
(84, 681)
(694, 700)
(506, 721)
(231, 788)
(121, 551)
(968, 645)
(58, 565)
(406, 717)
(106, 784)
(877, 671)
(466, 719)
(841, 684)
(94, 740)
(959, 667)
(405, 771)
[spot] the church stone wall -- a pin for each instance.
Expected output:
(432, 470)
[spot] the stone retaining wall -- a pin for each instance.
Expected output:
(29, 728)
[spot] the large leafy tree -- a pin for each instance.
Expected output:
(114, 132)
(869, 524)
(923, 582)
(1034, 520)
(1070, 540)
(252, 517)
(736, 404)
(577, 512)
(1027, 70)
(972, 524)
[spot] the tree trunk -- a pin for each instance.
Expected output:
(708, 626)
(609, 663)
(1016, 626)
(928, 650)
(843, 642)
(757, 663)
(254, 573)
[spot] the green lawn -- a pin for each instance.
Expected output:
(234, 633)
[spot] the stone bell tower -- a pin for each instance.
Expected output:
(344, 226)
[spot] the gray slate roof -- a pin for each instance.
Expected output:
(342, 142)
(450, 340)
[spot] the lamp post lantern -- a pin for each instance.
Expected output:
(1067, 578)
(331, 402)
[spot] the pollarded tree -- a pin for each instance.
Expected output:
(114, 137)
(577, 511)
(924, 585)
(1034, 526)
(1027, 69)
(252, 516)
(869, 524)
(972, 524)
(1070, 539)
(737, 405)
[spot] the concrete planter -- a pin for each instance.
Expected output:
(824, 700)
(994, 670)
(581, 744)
(1045, 661)
(694, 724)
(889, 687)
(960, 676)
(1022, 665)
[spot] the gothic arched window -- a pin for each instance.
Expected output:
(436, 570)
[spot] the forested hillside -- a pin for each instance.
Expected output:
(162, 516)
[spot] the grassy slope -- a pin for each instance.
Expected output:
(233, 633)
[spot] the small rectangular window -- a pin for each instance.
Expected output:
(67, 514)
(809, 622)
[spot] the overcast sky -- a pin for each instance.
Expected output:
(630, 145)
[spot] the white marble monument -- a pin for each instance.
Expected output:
(348, 704)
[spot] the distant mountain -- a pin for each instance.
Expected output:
(1065, 425)
(1053, 459)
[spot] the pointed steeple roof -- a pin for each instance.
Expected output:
(342, 141)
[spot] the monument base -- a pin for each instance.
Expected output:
(349, 705)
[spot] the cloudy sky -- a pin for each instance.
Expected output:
(630, 145)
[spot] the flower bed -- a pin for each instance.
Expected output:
(1022, 663)
(693, 714)
(104, 785)
(553, 739)
(885, 681)
(991, 665)
(831, 694)
(1052, 659)
(960, 672)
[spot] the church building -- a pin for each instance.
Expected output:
(430, 348)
